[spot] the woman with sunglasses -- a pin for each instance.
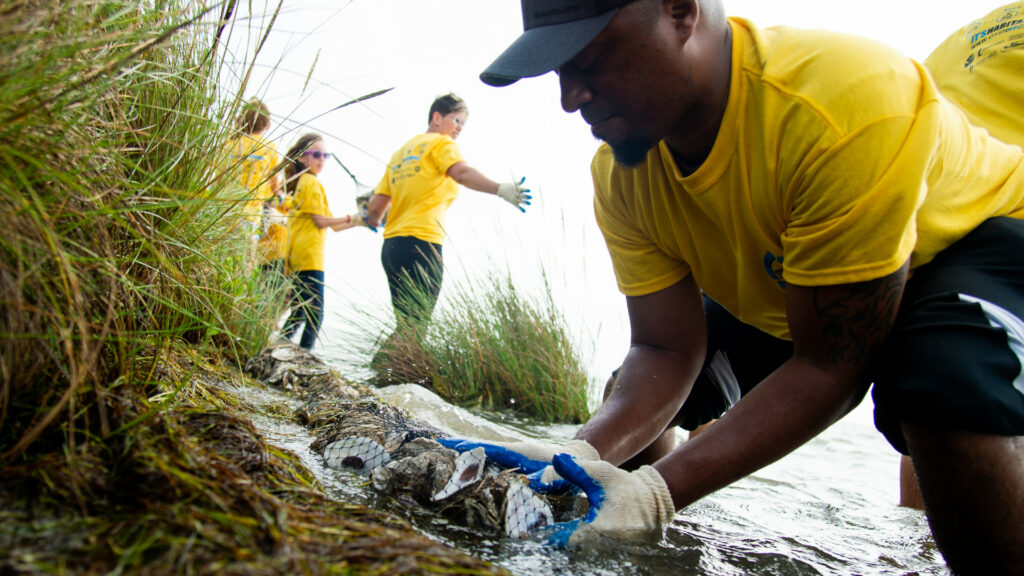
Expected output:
(308, 222)
(419, 184)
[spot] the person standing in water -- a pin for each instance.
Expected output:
(309, 219)
(418, 186)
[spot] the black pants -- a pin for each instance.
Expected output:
(307, 306)
(414, 269)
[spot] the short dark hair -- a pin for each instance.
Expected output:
(447, 104)
(255, 117)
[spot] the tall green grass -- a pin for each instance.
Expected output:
(128, 297)
(489, 346)
(119, 221)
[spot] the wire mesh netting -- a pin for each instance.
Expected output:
(358, 433)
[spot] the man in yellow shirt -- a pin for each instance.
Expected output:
(792, 215)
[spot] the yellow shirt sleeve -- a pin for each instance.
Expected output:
(641, 265)
(980, 67)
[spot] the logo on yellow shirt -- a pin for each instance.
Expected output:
(773, 265)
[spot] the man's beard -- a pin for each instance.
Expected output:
(631, 153)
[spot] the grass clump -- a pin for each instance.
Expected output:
(489, 346)
(128, 297)
(119, 223)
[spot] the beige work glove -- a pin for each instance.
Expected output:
(625, 506)
(515, 194)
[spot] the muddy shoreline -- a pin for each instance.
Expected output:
(185, 483)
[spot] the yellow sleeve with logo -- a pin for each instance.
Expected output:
(980, 67)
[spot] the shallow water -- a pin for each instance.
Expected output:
(828, 508)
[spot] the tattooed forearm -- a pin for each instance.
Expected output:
(856, 321)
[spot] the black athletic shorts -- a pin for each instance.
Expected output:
(738, 357)
(953, 359)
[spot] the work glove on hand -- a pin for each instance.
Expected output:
(359, 219)
(275, 216)
(625, 506)
(515, 194)
(531, 458)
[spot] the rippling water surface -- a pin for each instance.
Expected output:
(828, 508)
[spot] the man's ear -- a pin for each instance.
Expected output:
(435, 118)
(685, 14)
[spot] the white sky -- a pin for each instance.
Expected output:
(424, 48)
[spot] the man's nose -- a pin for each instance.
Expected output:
(575, 92)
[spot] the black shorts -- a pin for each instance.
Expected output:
(738, 357)
(953, 360)
(954, 357)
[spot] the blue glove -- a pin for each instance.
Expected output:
(627, 506)
(362, 218)
(515, 194)
(531, 458)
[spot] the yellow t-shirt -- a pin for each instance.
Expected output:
(836, 161)
(980, 68)
(305, 240)
(417, 181)
(256, 159)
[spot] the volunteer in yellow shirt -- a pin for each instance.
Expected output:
(419, 184)
(273, 242)
(256, 158)
(794, 217)
(308, 220)
(980, 67)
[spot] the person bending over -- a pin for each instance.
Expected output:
(792, 216)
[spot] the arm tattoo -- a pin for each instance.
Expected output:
(855, 324)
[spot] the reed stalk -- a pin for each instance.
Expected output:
(118, 219)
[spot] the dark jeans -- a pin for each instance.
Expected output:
(414, 269)
(307, 306)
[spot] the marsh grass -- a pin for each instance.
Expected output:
(489, 345)
(119, 222)
(128, 296)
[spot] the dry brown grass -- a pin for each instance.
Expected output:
(186, 484)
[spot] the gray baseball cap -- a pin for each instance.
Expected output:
(554, 31)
